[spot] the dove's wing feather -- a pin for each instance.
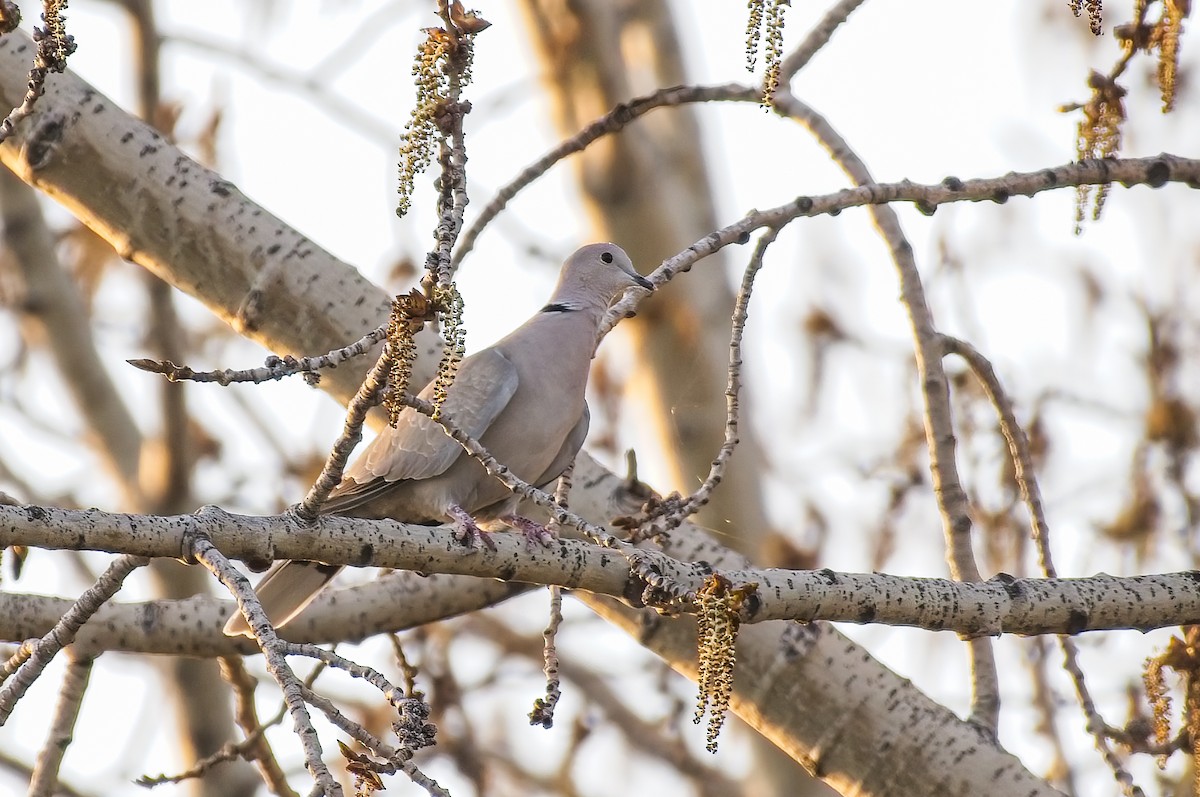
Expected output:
(562, 460)
(418, 447)
(570, 447)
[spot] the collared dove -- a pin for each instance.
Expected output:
(522, 398)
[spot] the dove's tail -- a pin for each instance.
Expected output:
(284, 592)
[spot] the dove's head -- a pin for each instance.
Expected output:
(596, 273)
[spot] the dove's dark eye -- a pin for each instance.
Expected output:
(606, 257)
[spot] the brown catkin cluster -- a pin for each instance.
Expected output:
(408, 316)
(1098, 136)
(717, 605)
(416, 144)
(450, 304)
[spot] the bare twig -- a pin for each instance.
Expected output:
(1155, 171)
(615, 120)
(1043, 700)
(1095, 724)
(273, 650)
(255, 746)
(44, 782)
(1018, 446)
(296, 694)
(1150, 171)
(817, 38)
(543, 708)
(353, 669)
(273, 368)
(54, 46)
(356, 414)
(674, 512)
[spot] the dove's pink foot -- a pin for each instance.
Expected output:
(467, 531)
(535, 533)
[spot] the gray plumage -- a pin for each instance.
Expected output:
(522, 398)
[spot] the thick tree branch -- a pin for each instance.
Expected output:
(1000, 605)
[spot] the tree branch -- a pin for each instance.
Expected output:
(1002, 604)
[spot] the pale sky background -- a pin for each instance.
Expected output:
(920, 90)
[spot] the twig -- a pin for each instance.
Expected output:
(612, 122)
(409, 671)
(44, 782)
(273, 368)
(543, 708)
(255, 746)
(353, 669)
(347, 725)
(1095, 724)
(1018, 446)
(1043, 700)
(296, 694)
(817, 38)
(397, 759)
(40, 653)
(356, 414)
(674, 512)
(203, 551)
(1155, 172)
(54, 46)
